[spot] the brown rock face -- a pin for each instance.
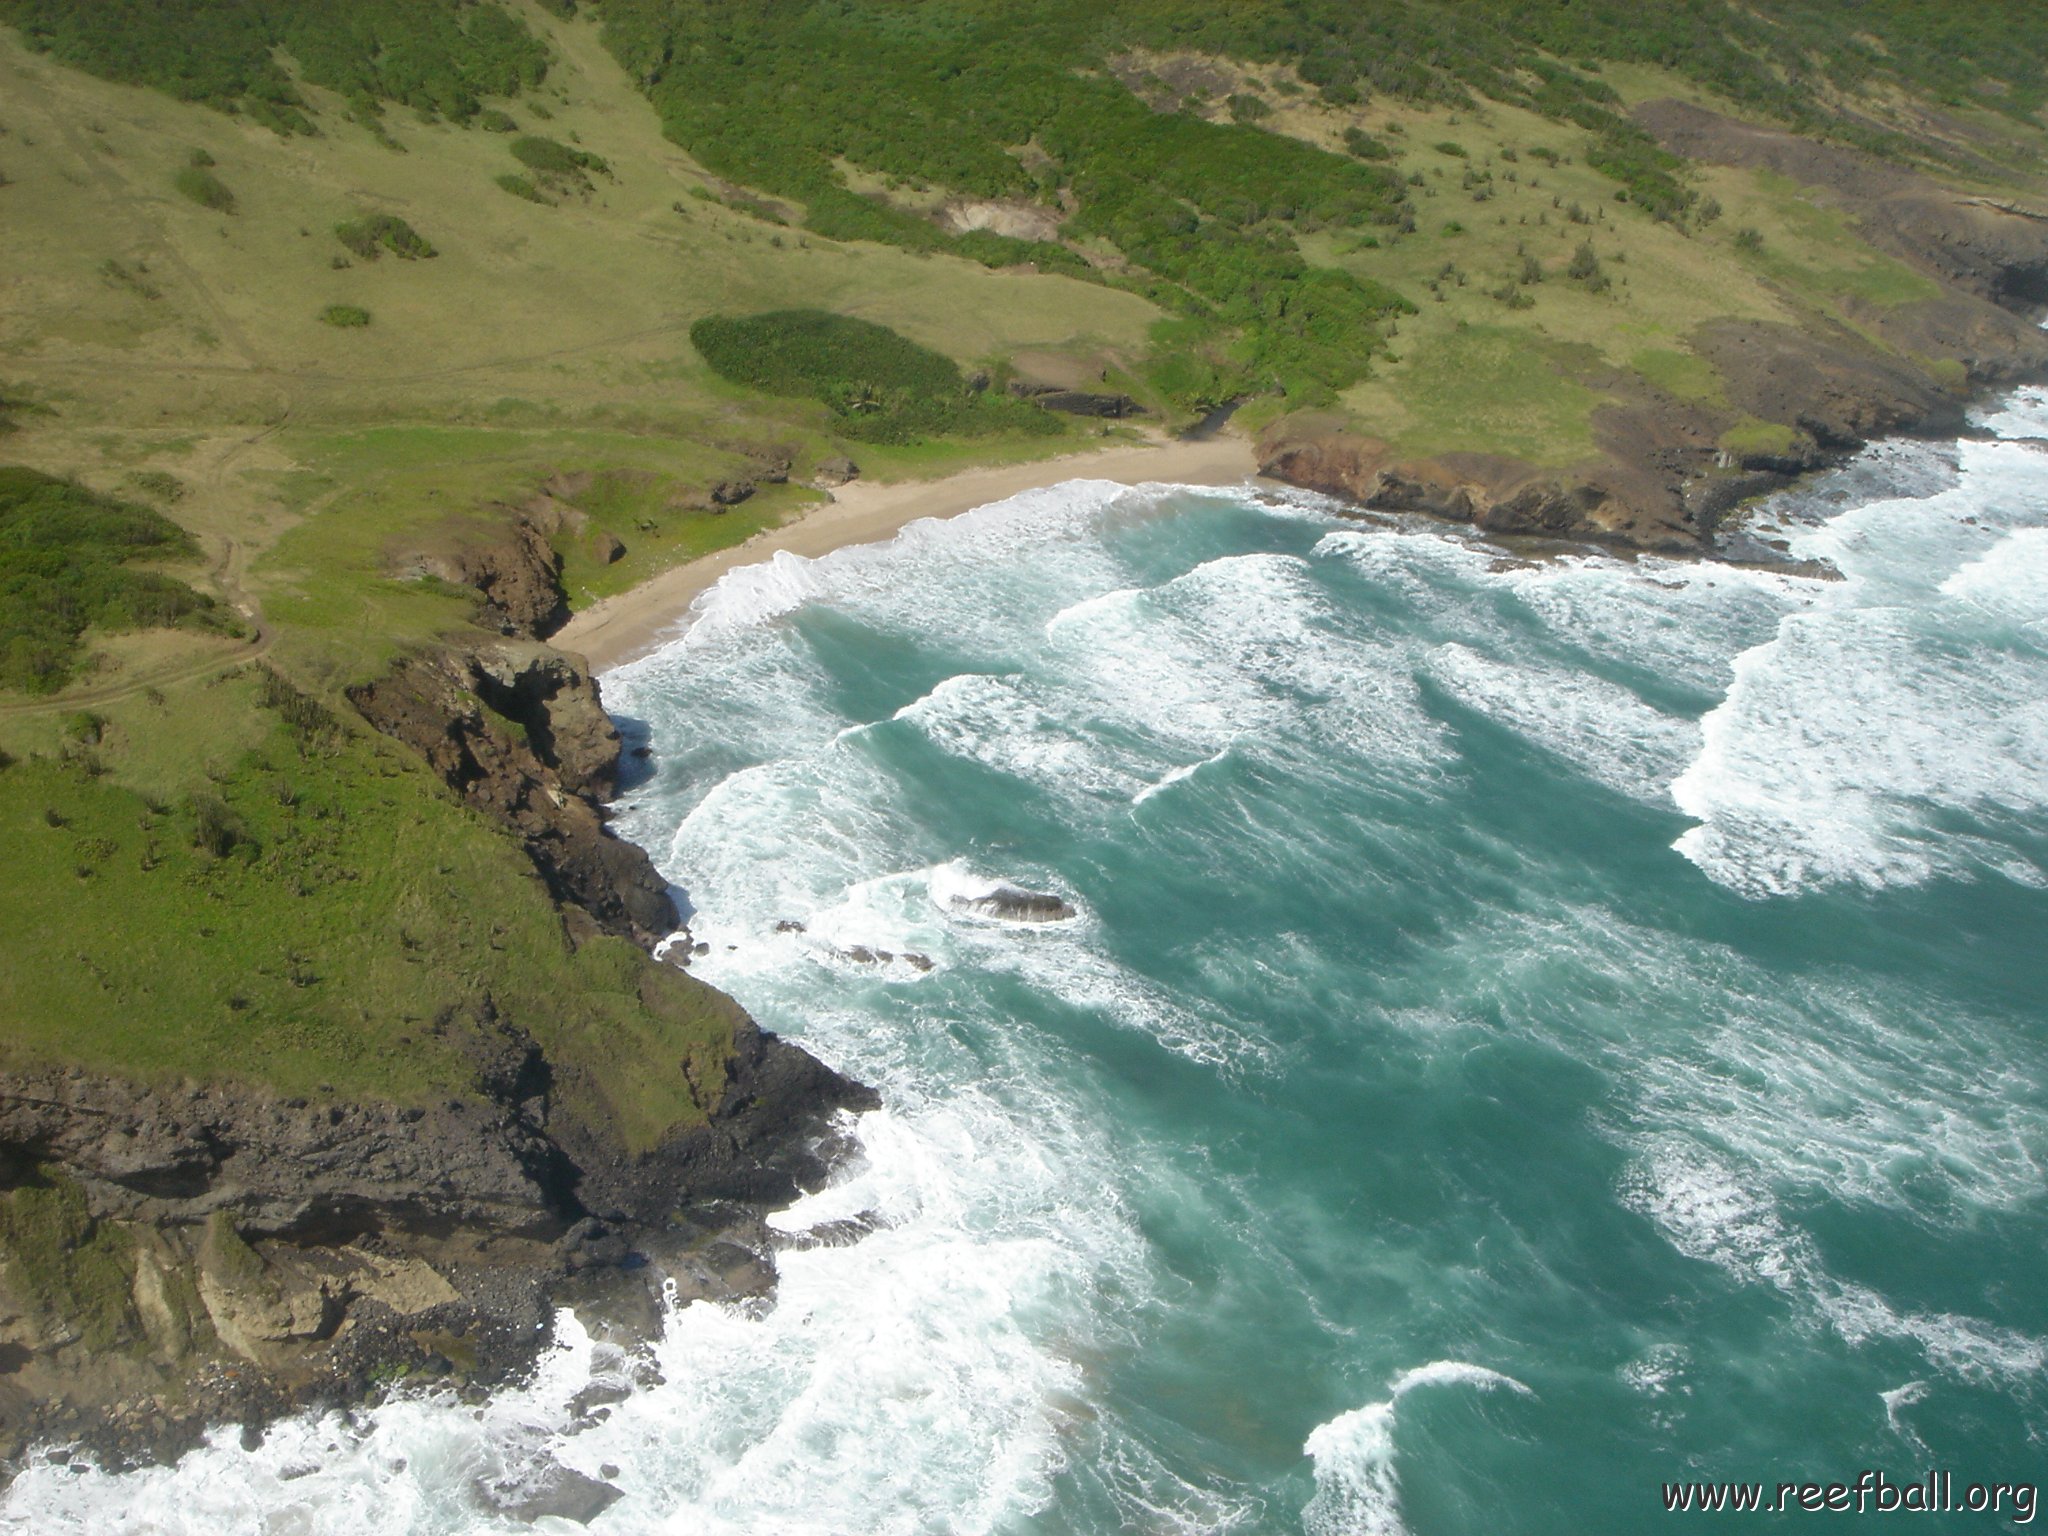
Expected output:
(768, 1139)
(553, 697)
(284, 1254)
(1661, 480)
(1606, 502)
(517, 728)
(516, 574)
(1841, 393)
(287, 1167)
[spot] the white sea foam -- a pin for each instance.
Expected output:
(2023, 413)
(1010, 565)
(947, 1372)
(1904, 1396)
(1660, 1371)
(925, 1378)
(1599, 727)
(1711, 1210)
(1174, 776)
(1849, 741)
(1797, 1076)
(1015, 725)
(2008, 584)
(1357, 1491)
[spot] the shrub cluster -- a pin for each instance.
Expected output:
(781, 96)
(373, 234)
(883, 387)
(552, 158)
(204, 188)
(64, 553)
(438, 57)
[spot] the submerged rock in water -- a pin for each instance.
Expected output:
(1014, 904)
(561, 1494)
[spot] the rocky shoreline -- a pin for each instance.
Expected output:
(285, 1254)
(1667, 470)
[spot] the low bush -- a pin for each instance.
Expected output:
(205, 189)
(373, 234)
(1364, 146)
(158, 484)
(884, 387)
(345, 317)
(550, 157)
(64, 553)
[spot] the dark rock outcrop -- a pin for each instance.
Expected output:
(514, 570)
(286, 1252)
(1613, 503)
(283, 1253)
(518, 729)
(1661, 477)
(1014, 904)
(768, 1138)
(1839, 393)
(284, 1166)
(555, 1492)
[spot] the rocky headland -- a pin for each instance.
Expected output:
(278, 1252)
(1666, 470)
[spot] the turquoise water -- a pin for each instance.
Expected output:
(1530, 1031)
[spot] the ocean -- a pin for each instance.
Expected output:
(1528, 1029)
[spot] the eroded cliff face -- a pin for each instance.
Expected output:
(192, 1253)
(518, 730)
(1661, 478)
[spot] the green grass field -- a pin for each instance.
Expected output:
(322, 916)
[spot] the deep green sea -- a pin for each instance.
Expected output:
(1531, 1030)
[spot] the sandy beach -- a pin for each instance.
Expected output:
(619, 629)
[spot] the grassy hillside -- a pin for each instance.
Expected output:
(175, 358)
(322, 293)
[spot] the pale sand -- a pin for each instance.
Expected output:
(619, 629)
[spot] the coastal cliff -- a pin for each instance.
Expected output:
(191, 1253)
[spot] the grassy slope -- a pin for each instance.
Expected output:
(1471, 373)
(533, 321)
(367, 904)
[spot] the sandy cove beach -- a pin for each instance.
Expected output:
(619, 629)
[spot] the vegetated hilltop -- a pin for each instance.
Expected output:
(346, 349)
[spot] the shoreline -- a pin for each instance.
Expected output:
(631, 624)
